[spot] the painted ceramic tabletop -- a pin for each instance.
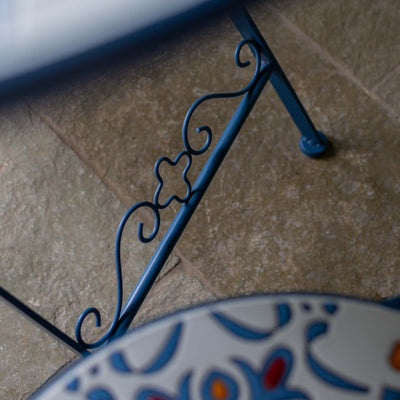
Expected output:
(259, 347)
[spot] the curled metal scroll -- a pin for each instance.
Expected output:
(256, 51)
(189, 152)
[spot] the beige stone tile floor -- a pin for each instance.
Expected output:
(74, 158)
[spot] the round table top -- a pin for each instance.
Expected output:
(289, 346)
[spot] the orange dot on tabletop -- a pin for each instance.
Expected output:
(219, 390)
(395, 356)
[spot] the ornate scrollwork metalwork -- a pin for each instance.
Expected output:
(189, 152)
(256, 51)
(161, 182)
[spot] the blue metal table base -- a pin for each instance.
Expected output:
(312, 142)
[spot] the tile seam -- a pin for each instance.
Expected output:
(123, 199)
(339, 67)
(385, 78)
(75, 149)
(191, 270)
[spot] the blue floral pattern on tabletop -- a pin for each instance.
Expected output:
(272, 347)
(271, 381)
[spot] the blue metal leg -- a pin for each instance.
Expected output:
(312, 142)
(43, 323)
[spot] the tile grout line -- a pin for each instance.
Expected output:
(191, 269)
(327, 57)
(188, 265)
(75, 149)
(386, 78)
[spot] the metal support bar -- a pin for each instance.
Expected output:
(187, 209)
(43, 323)
(312, 142)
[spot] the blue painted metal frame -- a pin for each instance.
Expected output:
(312, 142)
(43, 323)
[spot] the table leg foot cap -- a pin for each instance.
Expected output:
(310, 146)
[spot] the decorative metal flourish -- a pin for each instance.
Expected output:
(189, 152)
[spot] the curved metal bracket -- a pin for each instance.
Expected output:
(312, 143)
(152, 270)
